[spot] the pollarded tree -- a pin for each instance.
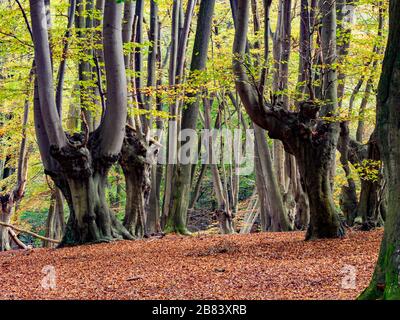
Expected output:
(9, 200)
(385, 281)
(309, 134)
(79, 164)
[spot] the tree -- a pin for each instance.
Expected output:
(181, 180)
(79, 164)
(134, 158)
(385, 280)
(9, 200)
(265, 174)
(310, 138)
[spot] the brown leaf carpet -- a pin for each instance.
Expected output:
(255, 266)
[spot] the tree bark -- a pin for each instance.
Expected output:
(82, 161)
(10, 200)
(310, 139)
(279, 218)
(372, 204)
(7, 204)
(223, 213)
(181, 181)
(172, 125)
(55, 223)
(385, 281)
(153, 209)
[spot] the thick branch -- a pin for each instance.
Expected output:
(112, 128)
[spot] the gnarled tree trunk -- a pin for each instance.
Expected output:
(181, 179)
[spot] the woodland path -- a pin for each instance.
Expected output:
(256, 266)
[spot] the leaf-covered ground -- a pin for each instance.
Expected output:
(256, 266)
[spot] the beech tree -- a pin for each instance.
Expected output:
(9, 200)
(307, 81)
(79, 163)
(385, 281)
(308, 134)
(181, 178)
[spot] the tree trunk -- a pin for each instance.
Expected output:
(153, 208)
(135, 160)
(55, 224)
(279, 217)
(385, 281)
(281, 55)
(91, 219)
(314, 166)
(309, 138)
(7, 204)
(79, 164)
(371, 209)
(181, 181)
(262, 193)
(302, 218)
(348, 196)
(172, 125)
(223, 213)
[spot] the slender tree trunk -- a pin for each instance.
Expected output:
(153, 211)
(136, 155)
(363, 106)
(385, 281)
(372, 205)
(279, 217)
(262, 192)
(371, 209)
(136, 159)
(83, 160)
(172, 125)
(348, 195)
(305, 75)
(10, 200)
(63, 63)
(281, 55)
(7, 204)
(196, 192)
(223, 213)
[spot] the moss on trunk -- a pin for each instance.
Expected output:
(177, 217)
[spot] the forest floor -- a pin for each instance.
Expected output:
(254, 266)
